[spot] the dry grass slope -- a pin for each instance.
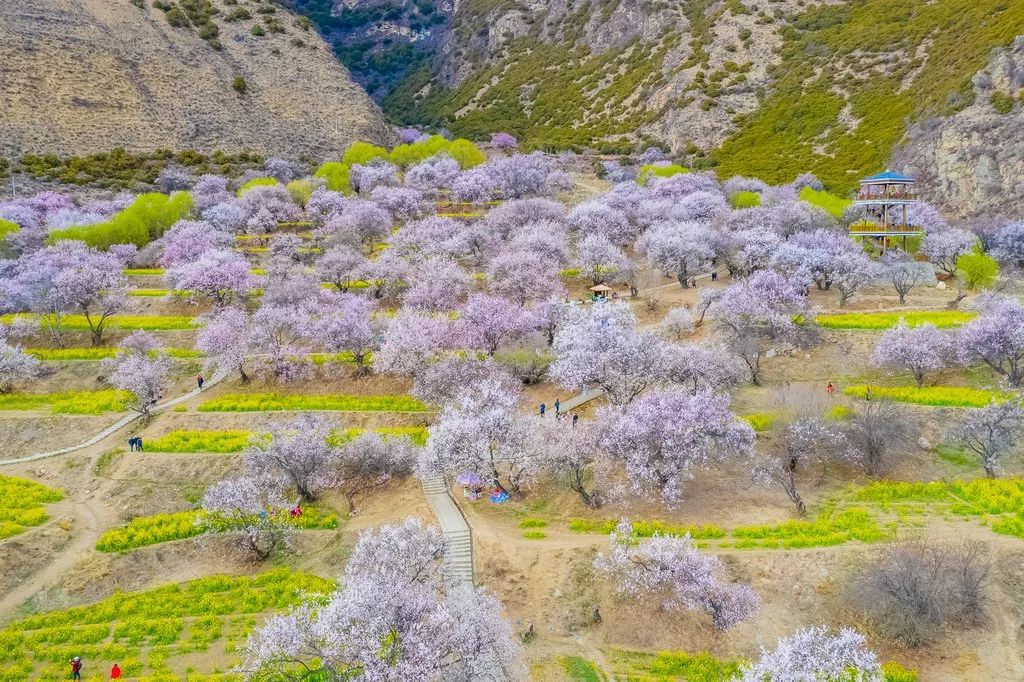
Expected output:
(85, 76)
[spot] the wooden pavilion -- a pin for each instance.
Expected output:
(885, 199)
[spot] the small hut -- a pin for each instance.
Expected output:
(600, 291)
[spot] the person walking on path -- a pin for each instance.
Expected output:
(138, 443)
(575, 418)
(543, 409)
(558, 406)
(867, 393)
(199, 380)
(714, 275)
(76, 668)
(115, 672)
(131, 444)
(830, 389)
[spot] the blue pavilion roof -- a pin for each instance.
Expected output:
(887, 176)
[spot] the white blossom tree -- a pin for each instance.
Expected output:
(389, 620)
(369, 462)
(251, 509)
(814, 654)
(297, 454)
(484, 433)
(991, 432)
(672, 571)
(803, 442)
(139, 371)
(602, 348)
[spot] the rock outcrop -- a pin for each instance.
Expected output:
(82, 76)
(972, 163)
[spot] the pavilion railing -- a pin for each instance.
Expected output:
(882, 196)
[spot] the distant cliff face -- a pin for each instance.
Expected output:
(973, 162)
(82, 76)
(771, 88)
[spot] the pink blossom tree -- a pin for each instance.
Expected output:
(996, 337)
(434, 174)
(672, 571)
(510, 217)
(139, 372)
(222, 276)
(349, 326)
(662, 437)
(679, 248)
(15, 364)
(757, 313)
(815, 654)
(187, 240)
(390, 619)
(701, 367)
(403, 203)
(677, 324)
(360, 222)
(341, 266)
(944, 247)
(210, 190)
(439, 285)
(523, 277)
(542, 238)
(412, 341)
(225, 338)
(504, 141)
(370, 462)
(281, 332)
(602, 348)
(599, 260)
(574, 455)
(484, 433)
(251, 509)
(919, 349)
(487, 322)
(597, 218)
(295, 454)
(442, 382)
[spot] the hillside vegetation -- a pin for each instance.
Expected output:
(782, 87)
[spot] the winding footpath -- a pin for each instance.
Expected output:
(116, 426)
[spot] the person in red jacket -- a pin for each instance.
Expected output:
(76, 668)
(115, 672)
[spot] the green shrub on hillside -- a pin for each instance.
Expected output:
(648, 171)
(362, 153)
(745, 200)
(1001, 102)
(798, 127)
(336, 175)
(146, 219)
(825, 200)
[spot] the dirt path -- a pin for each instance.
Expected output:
(115, 427)
(89, 518)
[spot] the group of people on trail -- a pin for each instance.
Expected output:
(135, 443)
(558, 411)
(76, 669)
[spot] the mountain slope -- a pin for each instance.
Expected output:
(762, 87)
(82, 76)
